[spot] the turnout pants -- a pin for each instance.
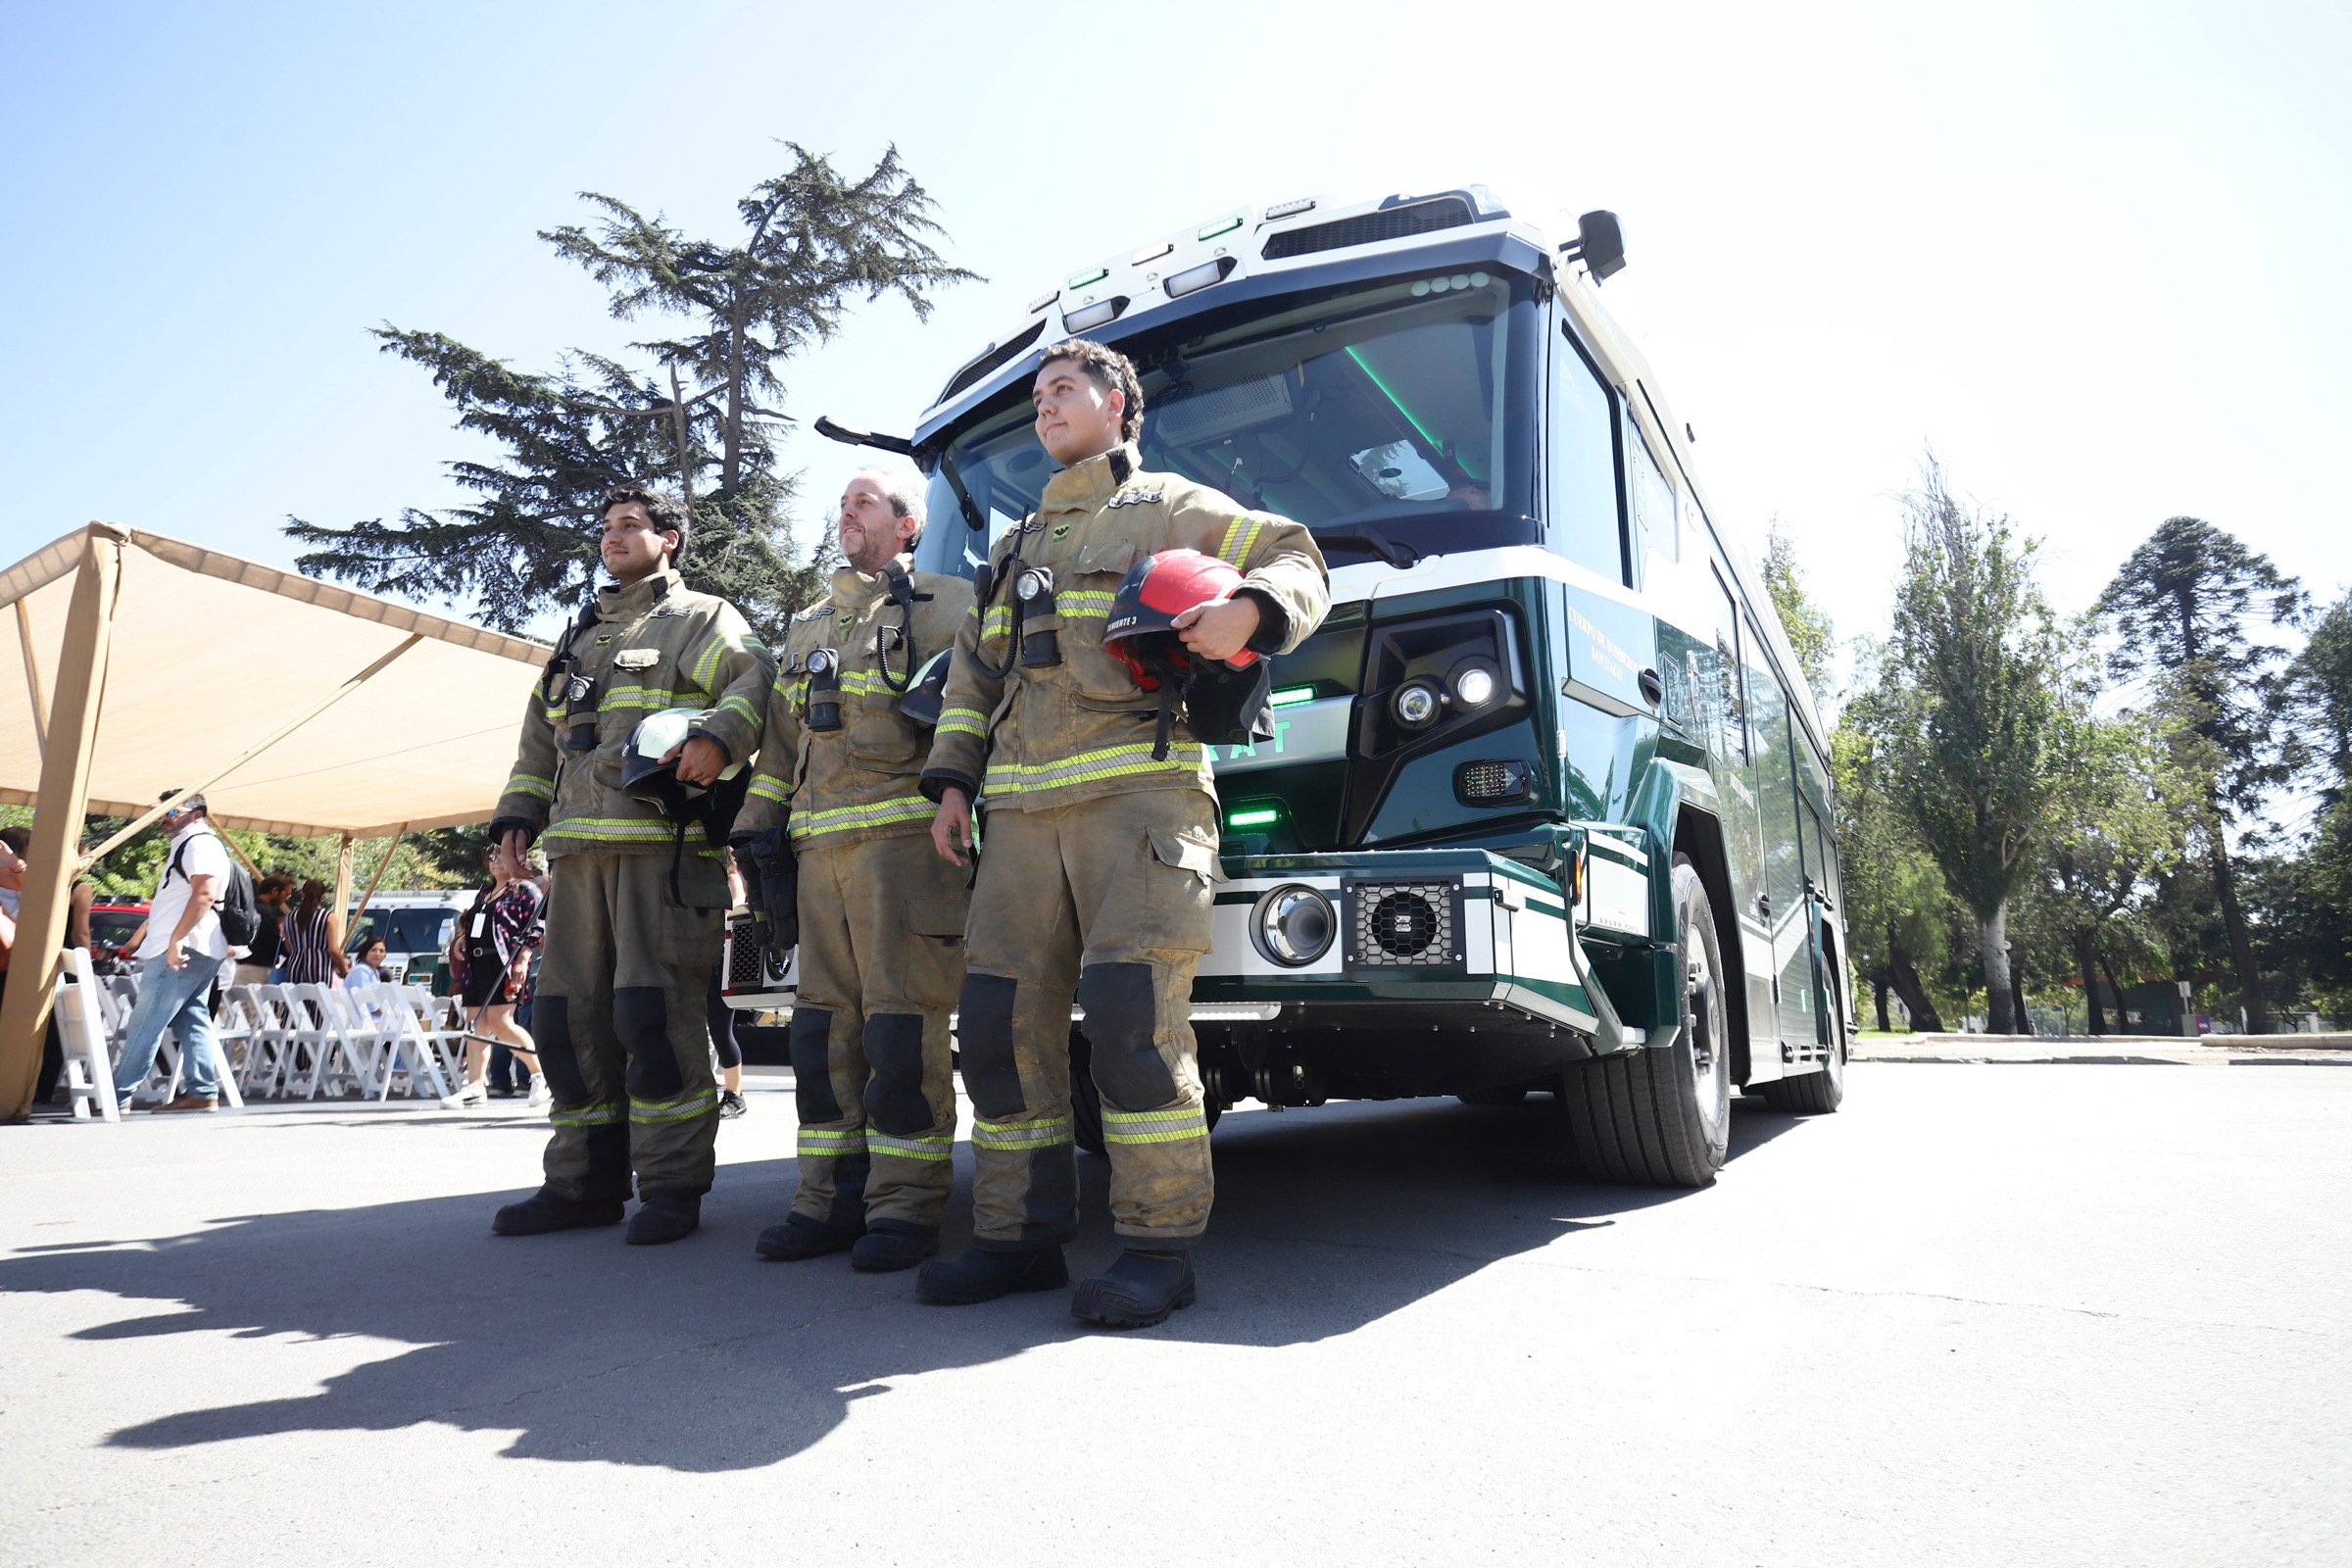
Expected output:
(1108, 899)
(619, 1022)
(881, 958)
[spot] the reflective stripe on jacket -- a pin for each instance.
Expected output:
(1084, 728)
(654, 643)
(858, 781)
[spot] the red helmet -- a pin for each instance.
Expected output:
(1141, 632)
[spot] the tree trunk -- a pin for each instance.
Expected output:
(2121, 1025)
(2000, 1005)
(2241, 944)
(1907, 986)
(1877, 990)
(2017, 1000)
(2090, 986)
(732, 471)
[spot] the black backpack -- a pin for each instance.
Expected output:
(239, 911)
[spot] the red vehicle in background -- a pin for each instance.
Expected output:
(111, 924)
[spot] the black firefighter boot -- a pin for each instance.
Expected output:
(544, 1211)
(1138, 1291)
(801, 1238)
(664, 1217)
(973, 1275)
(891, 1244)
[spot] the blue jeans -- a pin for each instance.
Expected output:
(178, 1000)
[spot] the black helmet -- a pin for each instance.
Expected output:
(927, 693)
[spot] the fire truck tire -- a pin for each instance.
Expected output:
(1660, 1116)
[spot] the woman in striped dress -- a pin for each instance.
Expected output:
(306, 941)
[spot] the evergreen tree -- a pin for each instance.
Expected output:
(1968, 698)
(2181, 607)
(814, 243)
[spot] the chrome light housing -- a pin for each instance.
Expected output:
(1416, 704)
(1293, 925)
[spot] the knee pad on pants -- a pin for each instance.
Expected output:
(894, 1100)
(1121, 1022)
(557, 1061)
(984, 1031)
(641, 1017)
(811, 1042)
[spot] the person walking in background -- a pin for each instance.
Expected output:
(307, 949)
(260, 963)
(489, 960)
(178, 962)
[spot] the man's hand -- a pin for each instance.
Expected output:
(1218, 631)
(516, 843)
(699, 759)
(952, 825)
(176, 956)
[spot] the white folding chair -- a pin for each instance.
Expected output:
(368, 1036)
(348, 1059)
(82, 1030)
(444, 1022)
(410, 1049)
(266, 1056)
(308, 1034)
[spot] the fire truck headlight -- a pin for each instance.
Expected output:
(1293, 925)
(1415, 704)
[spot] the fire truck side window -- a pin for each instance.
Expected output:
(1585, 523)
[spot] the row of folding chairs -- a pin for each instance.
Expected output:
(302, 1042)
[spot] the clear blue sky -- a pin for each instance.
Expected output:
(2094, 254)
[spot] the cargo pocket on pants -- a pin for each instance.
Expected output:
(1181, 874)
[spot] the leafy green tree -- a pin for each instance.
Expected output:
(1968, 696)
(1897, 907)
(2305, 895)
(1811, 636)
(2115, 820)
(2181, 605)
(813, 244)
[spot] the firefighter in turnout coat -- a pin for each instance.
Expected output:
(880, 915)
(1097, 858)
(625, 961)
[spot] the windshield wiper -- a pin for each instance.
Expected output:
(1396, 552)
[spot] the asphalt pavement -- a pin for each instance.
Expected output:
(1998, 1314)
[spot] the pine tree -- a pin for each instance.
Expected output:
(1968, 696)
(2181, 607)
(814, 244)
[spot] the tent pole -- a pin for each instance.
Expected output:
(50, 863)
(383, 866)
(342, 891)
(218, 774)
(32, 678)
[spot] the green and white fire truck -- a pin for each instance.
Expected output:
(1548, 803)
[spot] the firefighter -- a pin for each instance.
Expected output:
(1098, 849)
(635, 903)
(880, 916)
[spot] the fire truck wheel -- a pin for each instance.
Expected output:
(1661, 1115)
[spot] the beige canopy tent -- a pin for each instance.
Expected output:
(135, 663)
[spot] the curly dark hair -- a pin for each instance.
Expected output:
(662, 506)
(1111, 371)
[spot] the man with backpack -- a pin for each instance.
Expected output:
(200, 891)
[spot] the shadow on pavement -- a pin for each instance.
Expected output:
(700, 1357)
